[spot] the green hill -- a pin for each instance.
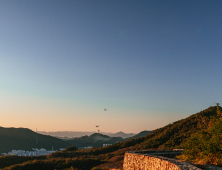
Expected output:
(141, 134)
(94, 140)
(172, 135)
(25, 139)
(205, 146)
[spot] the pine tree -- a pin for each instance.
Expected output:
(218, 109)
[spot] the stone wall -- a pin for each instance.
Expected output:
(147, 160)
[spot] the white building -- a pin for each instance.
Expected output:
(106, 144)
(36, 152)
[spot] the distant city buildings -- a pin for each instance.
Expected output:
(39, 152)
(106, 145)
(35, 152)
(86, 147)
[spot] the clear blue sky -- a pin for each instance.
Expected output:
(148, 62)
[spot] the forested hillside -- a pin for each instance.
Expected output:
(206, 145)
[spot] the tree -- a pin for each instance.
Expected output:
(218, 109)
(71, 148)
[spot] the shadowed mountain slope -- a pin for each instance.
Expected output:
(95, 140)
(122, 134)
(25, 139)
(141, 134)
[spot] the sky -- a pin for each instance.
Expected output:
(148, 62)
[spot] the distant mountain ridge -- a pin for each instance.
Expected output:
(121, 134)
(26, 139)
(94, 140)
(75, 134)
(141, 134)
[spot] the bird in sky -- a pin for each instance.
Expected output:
(105, 109)
(97, 126)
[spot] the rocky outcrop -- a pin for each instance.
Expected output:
(151, 160)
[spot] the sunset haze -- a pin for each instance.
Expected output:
(149, 63)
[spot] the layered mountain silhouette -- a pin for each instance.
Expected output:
(26, 139)
(94, 140)
(141, 134)
(171, 136)
(75, 134)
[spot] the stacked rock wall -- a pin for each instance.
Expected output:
(147, 161)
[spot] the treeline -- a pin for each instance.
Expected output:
(172, 135)
(206, 145)
(56, 163)
(6, 161)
